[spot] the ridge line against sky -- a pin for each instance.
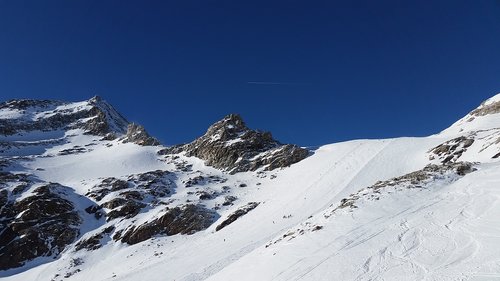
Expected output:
(312, 72)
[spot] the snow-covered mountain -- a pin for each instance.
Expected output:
(86, 195)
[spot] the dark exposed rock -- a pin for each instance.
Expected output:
(107, 186)
(230, 145)
(184, 220)
(451, 150)
(72, 270)
(228, 200)
(106, 120)
(155, 183)
(98, 194)
(114, 203)
(41, 225)
(195, 181)
(203, 180)
(93, 242)
(203, 195)
(129, 195)
(93, 209)
(237, 214)
(182, 166)
(4, 162)
(128, 209)
(132, 194)
(96, 210)
(6, 207)
(463, 168)
(75, 150)
(6, 177)
(138, 135)
(115, 184)
(317, 227)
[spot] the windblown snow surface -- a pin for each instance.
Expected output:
(447, 228)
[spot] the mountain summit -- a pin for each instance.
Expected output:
(230, 145)
(86, 195)
(94, 116)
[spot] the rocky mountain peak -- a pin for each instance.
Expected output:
(95, 99)
(94, 117)
(230, 145)
(107, 120)
(231, 122)
(138, 135)
(230, 127)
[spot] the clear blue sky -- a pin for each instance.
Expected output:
(311, 72)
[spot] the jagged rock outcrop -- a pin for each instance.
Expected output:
(237, 214)
(138, 135)
(230, 145)
(127, 197)
(42, 224)
(94, 117)
(451, 150)
(94, 242)
(187, 219)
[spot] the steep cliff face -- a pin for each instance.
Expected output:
(42, 224)
(230, 145)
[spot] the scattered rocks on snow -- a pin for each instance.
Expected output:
(74, 150)
(451, 150)
(418, 179)
(203, 180)
(228, 200)
(107, 186)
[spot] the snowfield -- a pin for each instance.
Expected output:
(343, 213)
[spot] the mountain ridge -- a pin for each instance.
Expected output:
(272, 212)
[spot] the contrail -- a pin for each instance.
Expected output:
(270, 83)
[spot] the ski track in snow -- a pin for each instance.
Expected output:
(344, 161)
(464, 245)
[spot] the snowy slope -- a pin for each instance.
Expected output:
(394, 209)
